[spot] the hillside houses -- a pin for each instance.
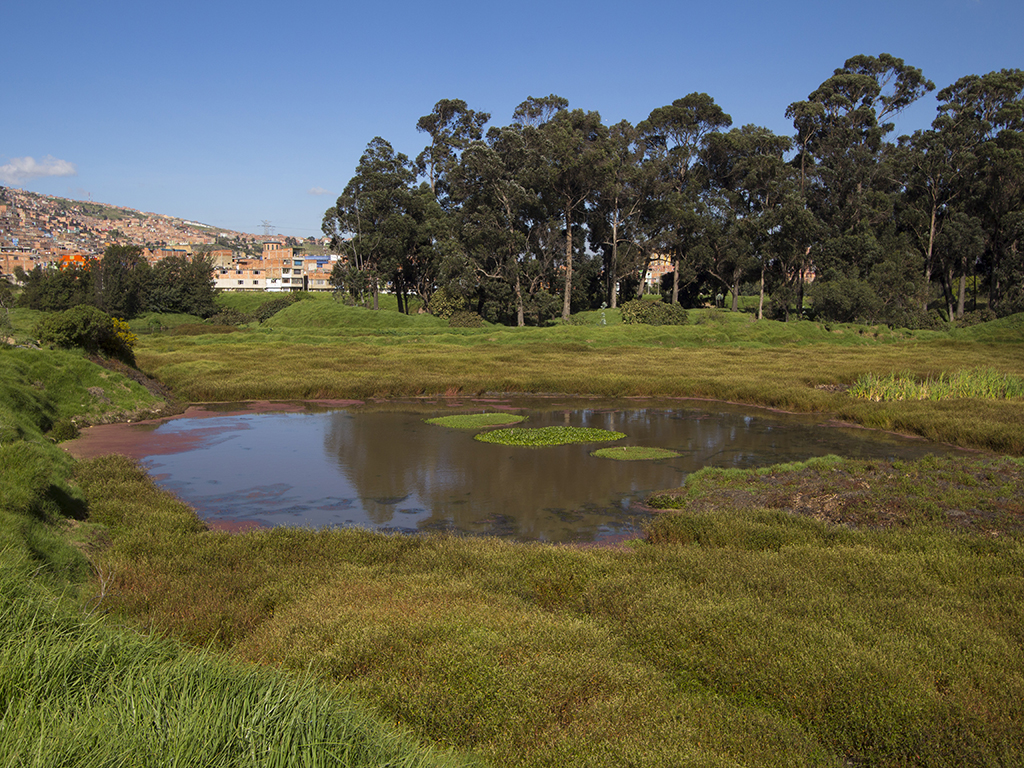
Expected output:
(280, 269)
(37, 230)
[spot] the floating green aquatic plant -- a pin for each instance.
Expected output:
(548, 436)
(476, 420)
(634, 453)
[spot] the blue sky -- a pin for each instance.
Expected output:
(233, 113)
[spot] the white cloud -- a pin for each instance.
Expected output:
(22, 169)
(318, 191)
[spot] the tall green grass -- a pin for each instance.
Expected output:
(985, 383)
(74, 691)
(40, 387)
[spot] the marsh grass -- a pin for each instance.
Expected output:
(795, 366)
(983, 383)
(77, 692)
(740, 635)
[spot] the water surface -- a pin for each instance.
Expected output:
(384, 468)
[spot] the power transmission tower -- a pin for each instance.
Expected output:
(268, 229)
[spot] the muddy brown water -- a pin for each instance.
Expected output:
(380, 466)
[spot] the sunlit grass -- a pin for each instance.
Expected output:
(78, 692)
(744, 636)
(985, 383)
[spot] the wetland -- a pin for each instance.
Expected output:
(380, 466)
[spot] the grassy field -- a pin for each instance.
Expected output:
(322, 349)
(738, 635)
(78, 689)
(832, 613)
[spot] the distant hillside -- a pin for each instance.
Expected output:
(47, 225)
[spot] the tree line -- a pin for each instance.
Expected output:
(123, 284)
(558, 212)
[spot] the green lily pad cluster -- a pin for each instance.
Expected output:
(476, 420)
(634, 453)
(548, 436)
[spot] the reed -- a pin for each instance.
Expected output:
(986, 383)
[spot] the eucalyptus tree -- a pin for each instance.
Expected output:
(958, 174)
(994, 103)
(621, 207)
(496, 211)
(451, 126)
(749, 177)
(842, 152)
(371, 221)
(573, 152)
(674, 136)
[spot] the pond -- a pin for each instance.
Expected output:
(380, 466)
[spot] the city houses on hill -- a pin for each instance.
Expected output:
(279, 269)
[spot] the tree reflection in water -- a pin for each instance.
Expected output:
(387, 469)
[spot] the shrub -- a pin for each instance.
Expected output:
(272, 307)
(640, 312)
(91, 329)
(444, 304)
(124, 332)
(463, 319)
(64, 429)
(977, 317)
(844, 300)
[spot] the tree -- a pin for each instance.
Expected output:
(121, 281)
(54, 289)
(573, 147)
(6, 303)
(621, 207)
(674, 135)
(952, 173)
(993, 105)
(747, 173)
(846, 166)
(495, 216)
(369, 222)
(452, 126)
(840, 138)
(183, 284)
